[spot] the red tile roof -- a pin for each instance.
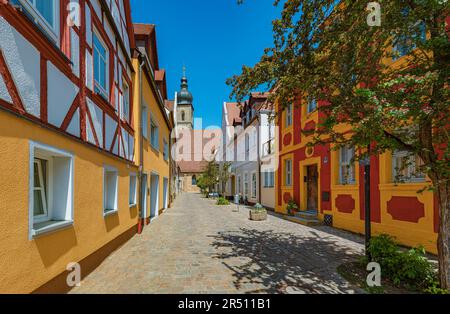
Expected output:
(169, 104)
(233, 113)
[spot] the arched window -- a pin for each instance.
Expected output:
(183, 116)
(194, 180)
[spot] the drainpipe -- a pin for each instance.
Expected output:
(141, 148)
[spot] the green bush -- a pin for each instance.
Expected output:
(292, 207)
(222, 201)
(258, 207)
(410, 269)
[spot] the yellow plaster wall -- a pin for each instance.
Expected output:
(27, 265)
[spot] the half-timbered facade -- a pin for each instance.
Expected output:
(67, 138)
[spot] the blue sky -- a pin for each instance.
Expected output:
(212, 38)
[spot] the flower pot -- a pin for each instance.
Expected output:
(258, 215)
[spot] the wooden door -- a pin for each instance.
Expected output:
(312, 188)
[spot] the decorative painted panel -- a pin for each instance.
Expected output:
(408, 209)
(345, 204)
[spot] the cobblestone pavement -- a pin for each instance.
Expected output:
(198, 247)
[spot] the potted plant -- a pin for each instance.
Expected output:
(292, 207)
(258, 213)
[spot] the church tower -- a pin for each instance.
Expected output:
(185, 108)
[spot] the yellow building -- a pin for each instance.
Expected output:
(155, 125)
(329, 188)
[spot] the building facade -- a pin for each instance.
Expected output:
(328, 185)
(70, 133)
(153, 151)
(249, 143)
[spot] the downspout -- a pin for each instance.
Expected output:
(141, 149)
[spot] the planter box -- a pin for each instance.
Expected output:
(259, 215)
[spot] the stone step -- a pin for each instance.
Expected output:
(307, 215)
(303, 221)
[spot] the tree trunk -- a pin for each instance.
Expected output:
(443, 243)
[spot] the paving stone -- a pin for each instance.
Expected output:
(198, 247)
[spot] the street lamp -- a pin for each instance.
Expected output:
(367, 217)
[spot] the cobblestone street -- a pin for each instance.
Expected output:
(198, 247)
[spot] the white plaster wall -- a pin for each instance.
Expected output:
(126, 139)
(4, 94)
(61, 94)
(110, 129)
(74, 126)
(88, 26)
(97, 119)
(97, 8)
(23, 61)
(89, 71)
(75, 52)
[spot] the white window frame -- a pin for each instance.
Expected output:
(110, 211)
(65, 214)
(289, 114)
(269, 179)
(154, 124)
(288, 172)
(126, 101)
(347, 163)
(103, 90)
(52, 31)
(410, 168)
(165, 150)
(145, 124)
(254, 185)
(45, 186)
(132, 200)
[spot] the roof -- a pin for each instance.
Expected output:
(160, 75)
(143, 29)
(197, 148)
(169, 104)
(233, 113)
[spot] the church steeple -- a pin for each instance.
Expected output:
(184, 95)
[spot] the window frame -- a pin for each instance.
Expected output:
(154, 125)
(347, 163)
(126, 100)
(39, 19)
(110, 211)
(309, 108)
(165, 150)
(102, 91)
(254, 191)
(288, 172)
(132, 199)
(46, 152)
(144, 121)
(44, 189)
(289, 116)
(411, 168)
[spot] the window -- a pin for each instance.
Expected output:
(239, 185)
(110, 190)
(194, 180)
(269, 179)
(183, 116)
(166, 150)
(254, 187)
(126, 102)
(154, 134)
(247, 147)
(312, 106)
(51, 189)
(347, 166)
(133, 190)
(288, 172)
(246, 184)
(406, 167)
(45, 14)
(100, 67)
(145, 121)
(289, 110)
(404, 44)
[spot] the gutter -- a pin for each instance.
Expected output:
(141, 150)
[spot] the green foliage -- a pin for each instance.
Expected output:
(258, 207)
(292, 207)
(221, 201)
(409, 269)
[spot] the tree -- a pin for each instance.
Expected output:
(210, 176)
(224, 175)
(325, 50)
